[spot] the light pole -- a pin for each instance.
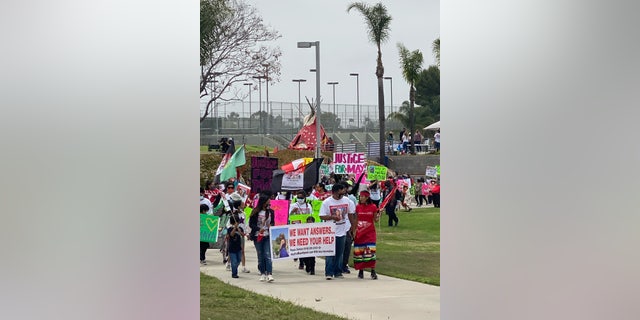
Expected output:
(249, 84)
(268, 107)
(260, 98)
(333, 84)
(318, 137)
(357, 95)
(390, 80)
(299, 101)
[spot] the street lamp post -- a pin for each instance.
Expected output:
(333, 84)
(260, 98)
(357, 95)
(249, 84)
(268, 108)
(317, 45)
(299, 101)
(391, 81)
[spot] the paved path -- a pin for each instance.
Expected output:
(352, 298)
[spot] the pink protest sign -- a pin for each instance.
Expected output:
(281, 211)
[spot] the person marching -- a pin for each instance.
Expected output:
(337, 210)
(364, 246)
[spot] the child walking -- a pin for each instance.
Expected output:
(309, 263)
(235, 233)
(203, 245)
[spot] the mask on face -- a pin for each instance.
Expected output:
(300, 200)
(201, 197)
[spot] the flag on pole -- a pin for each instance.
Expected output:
(388, 198)
(236, 160)
(304, 175)
(296, 164)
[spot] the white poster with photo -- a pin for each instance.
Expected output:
(302, 240)
(293, 180)
(431, 172)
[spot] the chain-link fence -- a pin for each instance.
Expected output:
(287, 117)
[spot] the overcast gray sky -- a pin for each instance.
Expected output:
(345, 48)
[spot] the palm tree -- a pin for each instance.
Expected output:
(436, 50)
(377, 20)
(411, 62)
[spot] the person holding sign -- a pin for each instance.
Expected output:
(364, 245)
(203, 245)
(301, 206)
(337, 209)
(261, 218)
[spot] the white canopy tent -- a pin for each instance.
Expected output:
(433, 126)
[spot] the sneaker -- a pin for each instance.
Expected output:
(313, 273)
(346, 270)
(235, 276)
(228, 268)
(263, 278)
(245, 270)
(301, 267)
(374, 276)
(270, 278)
(329, 278)
(361, 274)
(203, 262)
(339, 276)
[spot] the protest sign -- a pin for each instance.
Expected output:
(431, 172)
(376, 173)
(346, 163)
(281, 211)
(262, 173)
(302, 218)
(302, 240)
(325, 169)
(209, 228)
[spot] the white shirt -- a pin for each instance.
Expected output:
(303, 208)
(341, 208)
(437, 137)
(206, 201)
(374, 194)
(263, 223)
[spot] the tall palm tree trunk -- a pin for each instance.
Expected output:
(412, 118)
(381, 118)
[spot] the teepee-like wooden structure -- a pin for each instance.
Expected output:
(306, 137)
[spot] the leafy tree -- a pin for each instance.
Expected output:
(231, 49)
(329, 121)
(378, 21)
(262, 117)
(233, 116)
(423, 115)
(436, 50)
(428, 91)
(411, 63)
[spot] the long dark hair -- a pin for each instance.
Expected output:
(262, 201)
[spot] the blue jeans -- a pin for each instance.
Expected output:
(333, 264)
(348, 241)
(264, 255)
(235, 258)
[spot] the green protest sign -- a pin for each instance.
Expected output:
(302, 218)
(376, 173)
(325, 169)
(209, 228)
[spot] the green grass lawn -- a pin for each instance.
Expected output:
(219, 300)
(409, 251)
(412, 249)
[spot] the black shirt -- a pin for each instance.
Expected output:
(235, 241)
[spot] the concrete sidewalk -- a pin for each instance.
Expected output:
(352, 298)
